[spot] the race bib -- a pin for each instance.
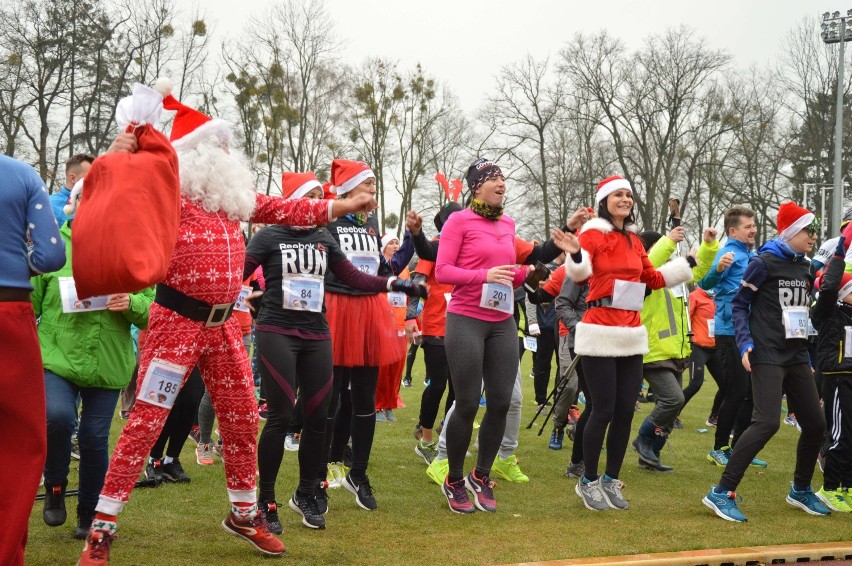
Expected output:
(497, 297)
(711, 328)
(530, 343)
(795, 322)
(628, 295)
(241, 305)
(162, 383)
(70, 302)
(847, 345)
(397, 299)
(302, 293)
(365, 262)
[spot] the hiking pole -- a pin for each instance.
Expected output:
(571, 370)
(141, 483)
(549, 397)
(556, 388)
(674, 219)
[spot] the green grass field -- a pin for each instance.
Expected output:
(541, 520)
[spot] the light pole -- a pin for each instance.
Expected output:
(837, 29)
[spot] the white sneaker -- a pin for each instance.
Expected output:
(291, 443)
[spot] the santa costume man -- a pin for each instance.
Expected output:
(190, 322)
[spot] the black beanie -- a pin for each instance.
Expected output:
(480, 171)
(649, 238)
(444, 213)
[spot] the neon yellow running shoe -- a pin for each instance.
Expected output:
(438, 470)
(834, 500)
(336, 473)
(508, 469)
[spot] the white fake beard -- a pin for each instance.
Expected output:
(217, 180)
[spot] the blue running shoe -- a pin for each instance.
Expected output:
(718, 457)
(758, 463)
(807, 501)
(556, 439)
(724, 505)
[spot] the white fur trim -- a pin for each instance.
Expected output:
(800, 224)
(164, 86)
(598, 224)
(579, 271)
(71, 207)
(306, 188)
(676, 271)
(242, 496)
(610, 341)
(109, 505)
(611, 187)
(354, 181)
(217, 128)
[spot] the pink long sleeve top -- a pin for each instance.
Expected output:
(470, 246)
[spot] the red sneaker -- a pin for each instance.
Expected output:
(96, 549)
(256, 532)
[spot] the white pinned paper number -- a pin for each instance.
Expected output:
(302, 293)
(497, 297)
(795, 322)
(162, 383)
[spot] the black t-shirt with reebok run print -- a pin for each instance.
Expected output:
(287, 253)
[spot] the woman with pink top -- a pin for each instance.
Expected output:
(477, 257)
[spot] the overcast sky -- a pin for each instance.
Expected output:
(466, 42)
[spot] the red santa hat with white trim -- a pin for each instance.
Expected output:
(190, 127)
(297, 185)
(792, 219)
(610, 185)
(346, 175)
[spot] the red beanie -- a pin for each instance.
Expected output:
(190, 126)
(792, 219)
(297, 185)
(610, 185)
(346, 175)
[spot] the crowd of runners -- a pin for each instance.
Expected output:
(306, 324)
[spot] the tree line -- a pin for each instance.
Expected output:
(674, 115)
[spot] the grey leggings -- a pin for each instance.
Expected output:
(479, 352)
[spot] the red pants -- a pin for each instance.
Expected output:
(22, 417)
(387, 389)
(221, 357)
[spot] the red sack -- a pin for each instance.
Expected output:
(126, 225)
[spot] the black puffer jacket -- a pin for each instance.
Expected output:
(831, 319)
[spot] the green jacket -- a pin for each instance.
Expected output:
(664, 314)
(89, 349)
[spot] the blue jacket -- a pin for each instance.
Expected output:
(58, 200)
(727, 283)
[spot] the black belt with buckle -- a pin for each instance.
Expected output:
(602, 302)
(192, 308)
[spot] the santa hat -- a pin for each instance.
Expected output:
(845, 284)
(190, 127)
(328, 192)
(792, 219)
(297, 185)
(70, 207)
(610, 185)
(387, 239)
(346, 175)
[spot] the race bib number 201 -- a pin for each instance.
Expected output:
(497, 297)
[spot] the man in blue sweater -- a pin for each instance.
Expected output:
(30, 245)
(75, 169)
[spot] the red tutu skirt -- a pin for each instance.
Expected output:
(387, 388)
(363, 330)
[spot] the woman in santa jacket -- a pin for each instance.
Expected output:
(611, 338)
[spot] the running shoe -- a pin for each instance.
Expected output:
(255, 531)
(154, 470)
(807, 501)
(336, 474)
(406, 382)
(427, 451)
(724, 505)
(389, 417)
(758, 463)
(791, 420)
(263, 411)
(655, 468)
(270, 513)
(677, 425)
(834, 500)
(712, 420)
(611, 488)
(456, 494)
(591, 494)
(54, 512)
(291, 442)
(362, 490)
(575, 470)
(308, 509)
(195, 434)
(645, 450)
(380, 416)
(204, 454)
(75, 448)
(217, 449)
(174, 472)
(321, 495)
(556, 438)
(581, 399)
(438, 470)
(508, 469)
(96, 549)
(124, 415)
(482, 490)
(718, 457)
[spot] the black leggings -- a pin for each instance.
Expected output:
(438, 370)
(361, 384)
(614, 384)
(181, 417)
(409, 360)
(700, 358)
(285, 361)
(580, 427)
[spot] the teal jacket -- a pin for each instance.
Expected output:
(89, 349)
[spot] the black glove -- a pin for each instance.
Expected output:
(410, 288)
